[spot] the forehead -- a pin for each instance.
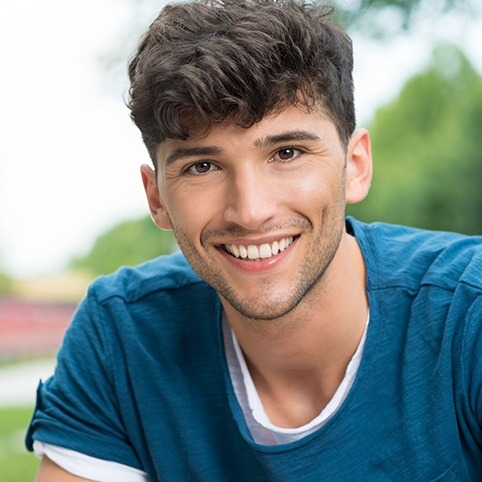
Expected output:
(294, 122)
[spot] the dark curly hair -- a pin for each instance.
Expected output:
(202, 63)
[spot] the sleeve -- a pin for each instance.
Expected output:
(472, 369)
(89, 467)
(77, 408)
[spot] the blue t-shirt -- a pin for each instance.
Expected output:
(142, 377)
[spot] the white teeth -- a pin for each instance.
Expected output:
(263, 251)
(253, 252)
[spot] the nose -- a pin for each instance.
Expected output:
(252, 199)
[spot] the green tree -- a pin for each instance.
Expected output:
(381, 17)
(5, 284)
(428, 150)
(128, 243)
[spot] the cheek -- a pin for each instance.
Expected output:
(190, 212)
(317, 190)
(310, 188)
(185, 217)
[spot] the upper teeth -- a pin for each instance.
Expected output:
(262, 251)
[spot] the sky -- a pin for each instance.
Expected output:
(69, 154)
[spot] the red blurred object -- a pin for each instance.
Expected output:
(32, 328)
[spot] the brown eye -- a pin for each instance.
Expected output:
(201, 168)
(286, 154)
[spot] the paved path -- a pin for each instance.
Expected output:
(18, 383)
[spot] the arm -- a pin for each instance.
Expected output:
(51, 472)
(77, 407)
(64, 465)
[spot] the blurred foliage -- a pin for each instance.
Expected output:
(16, 464)
(377, 18)
(427, 148)
(6, 284)
(128, 243)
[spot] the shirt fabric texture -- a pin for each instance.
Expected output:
(265, 433)
(142, 378)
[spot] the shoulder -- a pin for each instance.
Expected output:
(413, 257)
(152, 306)
(163, 274)
(425, 292)
(165, 289)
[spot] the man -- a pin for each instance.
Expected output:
(286, 342)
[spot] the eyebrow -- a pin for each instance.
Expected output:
(182, 153)
(286, 137)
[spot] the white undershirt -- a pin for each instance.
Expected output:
(89, 467)
(259, 425)
(261, 429)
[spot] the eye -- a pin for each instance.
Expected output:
(200, 168)
(286, 154)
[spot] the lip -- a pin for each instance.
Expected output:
(259, 240)
(261, 265)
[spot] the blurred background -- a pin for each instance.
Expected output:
(71, 200)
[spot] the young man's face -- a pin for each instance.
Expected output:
(259, 212)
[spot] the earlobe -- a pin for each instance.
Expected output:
(359, 167)
(156, 206)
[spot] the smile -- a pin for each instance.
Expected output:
(256, 253)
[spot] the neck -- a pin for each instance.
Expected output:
(298, 361)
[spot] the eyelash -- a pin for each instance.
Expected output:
(296, 153)
(189, 169)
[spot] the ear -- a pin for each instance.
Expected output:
(359, 167)
(156, 206)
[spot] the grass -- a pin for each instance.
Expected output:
(12, 362)
(16, 464)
